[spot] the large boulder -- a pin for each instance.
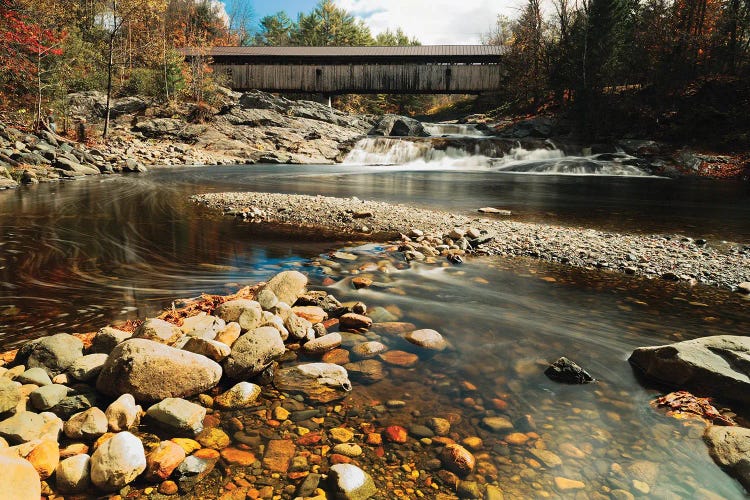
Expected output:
(730, 448)
(151, 371)
(89, 104)
(253, 352)
(19, 480)
(399, 126)
(117, 462)
(55, 354)
(288, 286)
(157, 127)
(127, 105)
(718, 365)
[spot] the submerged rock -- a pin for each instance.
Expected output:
(322, 382)
(242, 395)
(730, 448)
(565, 370)
(718, 365)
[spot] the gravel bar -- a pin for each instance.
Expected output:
(670, 257)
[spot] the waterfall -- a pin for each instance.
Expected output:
(469, 153)
(453, 130)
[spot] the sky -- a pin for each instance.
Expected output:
(458, 22)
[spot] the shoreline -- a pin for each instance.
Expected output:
(669, 257)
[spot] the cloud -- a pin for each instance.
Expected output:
(432, 21)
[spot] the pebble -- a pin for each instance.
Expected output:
(497, 424)
(565, 484)
(340, 434)
(457, 459)
(241, 395)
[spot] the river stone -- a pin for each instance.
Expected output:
(87, 425)
(194, 468)
(72, 404)
(28, 426)
(178, 415)
(107, 338)
(73, 475)
(297, 326)
(351, 321)
(267, 299)
(152, 371)
(229, 334)
(349, 482)
(10, 394)
(36, 376)
(211, 349)
(87, 367)
(730, 448)
(163, 460)
(19, 480)
(566, 371)
(367, 371)
(288, 286)
(718, 365)
(55, 353)
(253, 352)
(367, 350)
(323, 344)
(427, 339)
(321, 382)
(392, 328)
(744, 288)
(203, 326)
(457, 459)
(123, 413)
(246, 312)
(44, 457)
(497, 424)
(117, 462)
(241, 395)
(48, 396)
(158, 330)
(270, 319)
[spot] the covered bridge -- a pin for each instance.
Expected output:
(425, 69)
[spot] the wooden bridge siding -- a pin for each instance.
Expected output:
(365, 78)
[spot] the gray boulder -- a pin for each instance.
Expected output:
(89, 104)
(178, 415)
(48, 396)
(87, 367)
(253, 352)
(718, 365)
(156, 127)
(288, 286)
(55, 354)
(87, 425)
(10, 394)
(107, 338)
(28, 426)
(151, 371)
(730, 448)
(399, 126)
(127, 105)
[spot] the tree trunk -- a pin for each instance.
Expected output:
(110, 64)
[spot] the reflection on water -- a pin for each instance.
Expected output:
(507, 321)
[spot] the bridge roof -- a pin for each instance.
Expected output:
(411, 53)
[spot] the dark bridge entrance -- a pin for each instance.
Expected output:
(426, 69)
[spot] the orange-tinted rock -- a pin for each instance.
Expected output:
(336, 356)
(45, 458)
(399, 358)
(211, 420)
(310, 439)
(235, 456)
(516, 438)
(189, 445)
(473, 443)
(331, 324)
(73, 449)
(279, 453)
(235, 494)
(361, 282)
(457, 459)
(374, 439)
(168, 488)
(351, 321)
(213, 437)
(162, 461)
(499, 404)
(337, 458)
(207, 454)
(313, 314)
(396, 434)
(230, 334)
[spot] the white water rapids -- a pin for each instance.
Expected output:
(421, 153)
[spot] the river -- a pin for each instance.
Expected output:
(75, 256)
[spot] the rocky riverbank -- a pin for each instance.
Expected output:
(668, 257)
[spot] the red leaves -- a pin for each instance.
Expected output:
(23, 41)
(682, 404)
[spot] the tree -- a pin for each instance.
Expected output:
(328, 25)
(275, 30)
